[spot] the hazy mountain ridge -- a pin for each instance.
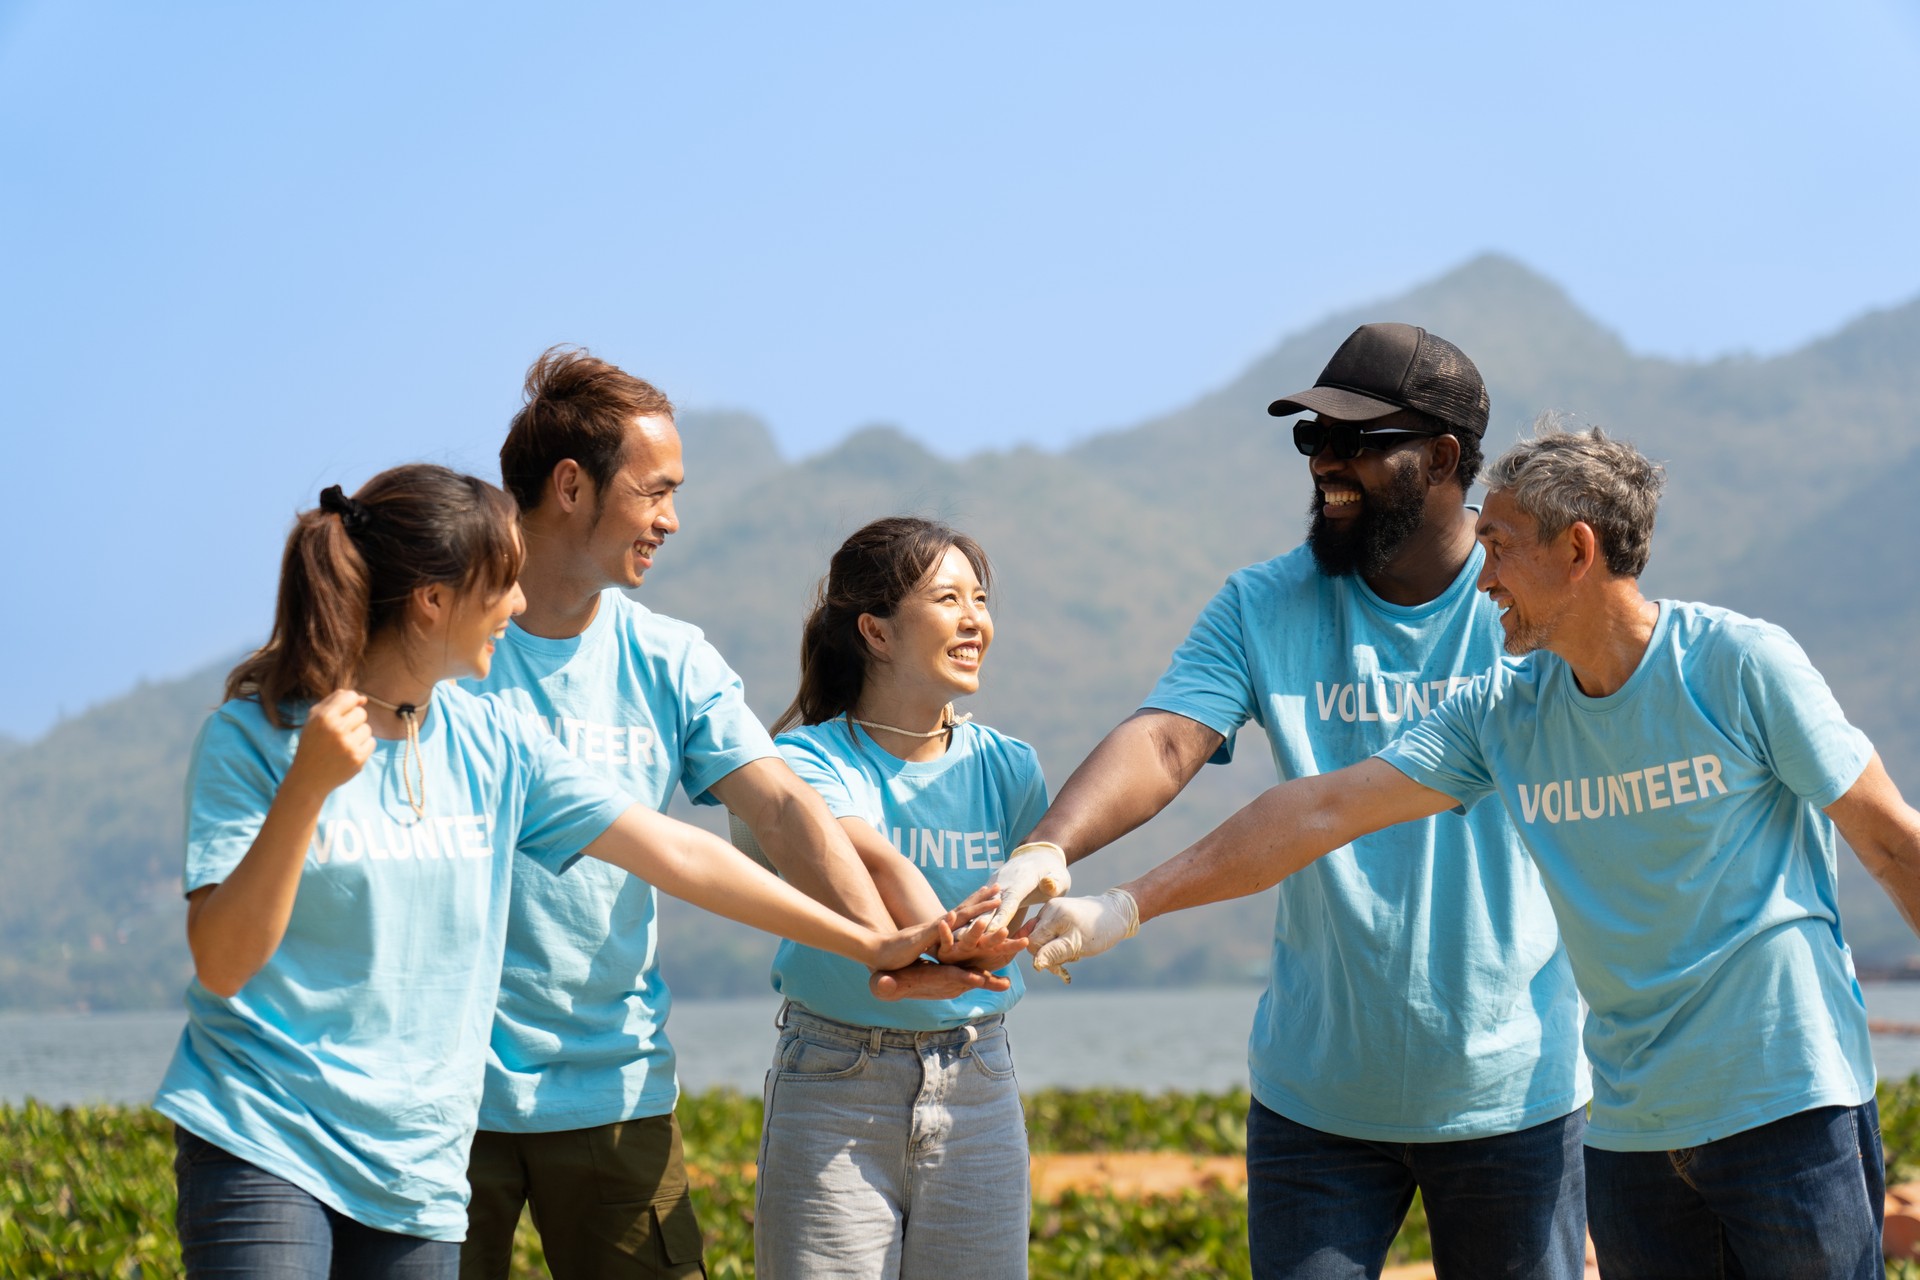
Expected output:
(1787, 498)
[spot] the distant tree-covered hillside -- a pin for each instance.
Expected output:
(1788, 498)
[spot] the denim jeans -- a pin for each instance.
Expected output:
(891, 1154)
(1803, 1196)
(1324, 1207)
(237, 1220)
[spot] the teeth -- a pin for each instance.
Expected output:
(1339, 497)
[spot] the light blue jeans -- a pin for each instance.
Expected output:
(891, 1155)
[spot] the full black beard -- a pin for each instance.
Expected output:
(1385, 524)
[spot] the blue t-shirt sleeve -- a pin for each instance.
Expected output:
(1029, 797)
(565, 806)
(231, 783)
(821, 771)
(721, 732)
(1444, 750)
(1209, 679)
(1803, 735)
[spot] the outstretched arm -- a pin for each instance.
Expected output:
(1884, 833)
(802, 840)
(1133, 774)
(1282, 830)
(707, 871)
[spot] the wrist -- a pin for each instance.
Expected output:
(1128, 908)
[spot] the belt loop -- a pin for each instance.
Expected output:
(780, 1018)
(873, 1039)
(973, 1034)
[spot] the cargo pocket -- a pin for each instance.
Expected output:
(676, 1234)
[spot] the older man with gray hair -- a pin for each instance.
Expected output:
(1677, 773)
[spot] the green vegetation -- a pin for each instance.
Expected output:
(89, 1191)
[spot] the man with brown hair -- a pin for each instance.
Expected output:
(577, 1118)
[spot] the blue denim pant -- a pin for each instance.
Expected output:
(1800, 1197)
(237, 1220)
(891, 1154)
(1324, 1207)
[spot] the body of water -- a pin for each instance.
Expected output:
(1153, 1040)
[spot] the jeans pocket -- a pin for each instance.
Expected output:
(807, 1059)
(993, 1057)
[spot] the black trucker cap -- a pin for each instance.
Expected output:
(1384, 368)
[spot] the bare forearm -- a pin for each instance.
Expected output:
(909, 899)
(1133, 774)
(1282, 830)
(234, 927)
(702, 869)
(802, 840)
(1884, 832)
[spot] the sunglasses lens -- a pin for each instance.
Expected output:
(1308, 437)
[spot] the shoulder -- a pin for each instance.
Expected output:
(638, 624)
(240, 721)
(828, 740)
(1709, 633)
(1005, 754)
(1286, 575)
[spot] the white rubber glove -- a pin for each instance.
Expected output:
(1071, 929)
(1031, 874)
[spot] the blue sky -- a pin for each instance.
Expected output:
(251, 250)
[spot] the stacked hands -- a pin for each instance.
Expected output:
(984, 933)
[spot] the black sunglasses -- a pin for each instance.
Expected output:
(1347, 439)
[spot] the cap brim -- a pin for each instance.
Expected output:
(1349, 406)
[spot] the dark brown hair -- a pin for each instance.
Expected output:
(350, 568)
(577, 406)
(872, 572)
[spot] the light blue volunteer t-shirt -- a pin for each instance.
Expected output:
(643, 700)
(956, 818)
(350, 1064)
(1417, 989)
(1677, 825)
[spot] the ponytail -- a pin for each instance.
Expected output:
(352, 564)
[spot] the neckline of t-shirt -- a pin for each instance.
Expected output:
(867, 745)
(436, 715)
(561, 646)
(1462, 581)
(1625, 693)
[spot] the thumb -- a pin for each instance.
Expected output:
(1063, 950)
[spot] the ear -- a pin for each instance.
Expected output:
(877, 633)
(1584, 544)
(1443, 461)
(431, 603)
(570, 485)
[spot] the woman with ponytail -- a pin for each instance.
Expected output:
(352, 816)
(894, 1142)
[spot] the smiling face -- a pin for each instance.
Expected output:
(1366, 508)
(474, 626)
(631, 517)
(1523, 576)
(938, 635)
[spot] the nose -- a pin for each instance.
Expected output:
(667, 518)
(519, 600)
(1488, 579)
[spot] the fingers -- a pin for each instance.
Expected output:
(980, 903)
(932, 982)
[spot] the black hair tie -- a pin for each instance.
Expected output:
(354, 516)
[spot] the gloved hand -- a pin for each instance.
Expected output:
(1032, 873)
(1070, 929)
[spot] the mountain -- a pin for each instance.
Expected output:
(1787, 499)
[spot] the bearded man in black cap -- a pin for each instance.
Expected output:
(1420, 1028)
